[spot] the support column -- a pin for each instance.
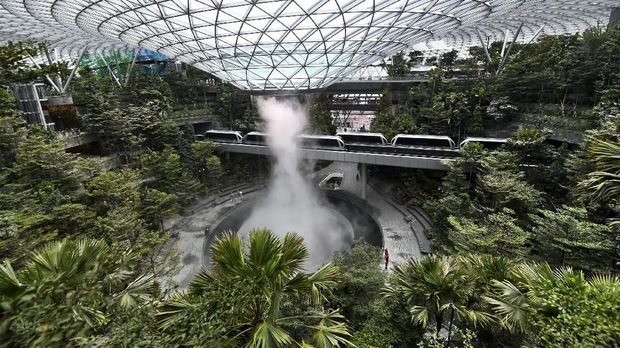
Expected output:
(364, 179)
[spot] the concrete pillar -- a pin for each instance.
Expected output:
(364, 179)
(614, 18)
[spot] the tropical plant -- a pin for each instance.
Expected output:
(399, 66)
(67, 290)
(257, 282)
(437, 289)
(559, 307)
(11, 127)
(603, 185)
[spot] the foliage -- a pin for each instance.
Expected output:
(498, 234)
(502, 185)
(399, 66)
(501, 109)
(603, 184)
(566, 237)
(165, 173)
(66, 291)
(261, 280)
(390, 120)
(14, 67)
(11, 127)
(360, 284)
(203, 164)
(320, 119)
(559, 307)
(230, 104)
(447, 59)
(434, 287)
(41, 161)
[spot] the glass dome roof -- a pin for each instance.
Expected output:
(284, 44)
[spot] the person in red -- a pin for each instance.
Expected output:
(386, 257)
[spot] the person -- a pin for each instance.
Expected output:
(386, 257)
(206, 230)
(240, 194)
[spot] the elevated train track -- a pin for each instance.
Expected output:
(374, 155)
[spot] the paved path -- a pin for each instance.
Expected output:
(191, 235)
(397, 234)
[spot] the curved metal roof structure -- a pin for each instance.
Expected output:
(285, 44)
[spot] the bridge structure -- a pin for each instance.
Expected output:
(430, 162)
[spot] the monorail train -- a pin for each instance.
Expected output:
(424, 145)
(490, 144)
(424, 141)
(364, 142)
(326, 142)
(224, 136)
(255, 138)
(363, 138)
(409, 144)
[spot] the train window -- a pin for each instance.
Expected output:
(224, 137)
(362, 139)
(428, 142)
(327, 143)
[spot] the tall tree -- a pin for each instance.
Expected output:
(261, 278)
(566, 237)
(11, 128)
(400, 66)
(436, 289)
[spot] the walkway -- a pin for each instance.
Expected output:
(191, 234)
(398, 236)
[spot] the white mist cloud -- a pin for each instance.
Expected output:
(292, 203)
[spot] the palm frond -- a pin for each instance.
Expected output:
(9, 284)
(137, 292)
(331, 332)
(294, 252)
(604, 280)
(477, 318)
(510, 306)
(173, 310)
(265, 254)
(89, 315)
(269, 335)
(323, 281)
(228, 255)
(202, 282)
(420, 315)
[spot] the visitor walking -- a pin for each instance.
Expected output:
(386, 257)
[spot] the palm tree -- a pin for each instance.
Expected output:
(512, 300)
(434, 285)
(67, 288)
(603, 185)
(250, 286)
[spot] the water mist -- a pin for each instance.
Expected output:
(292, 204)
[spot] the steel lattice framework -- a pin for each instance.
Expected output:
(285, 44)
